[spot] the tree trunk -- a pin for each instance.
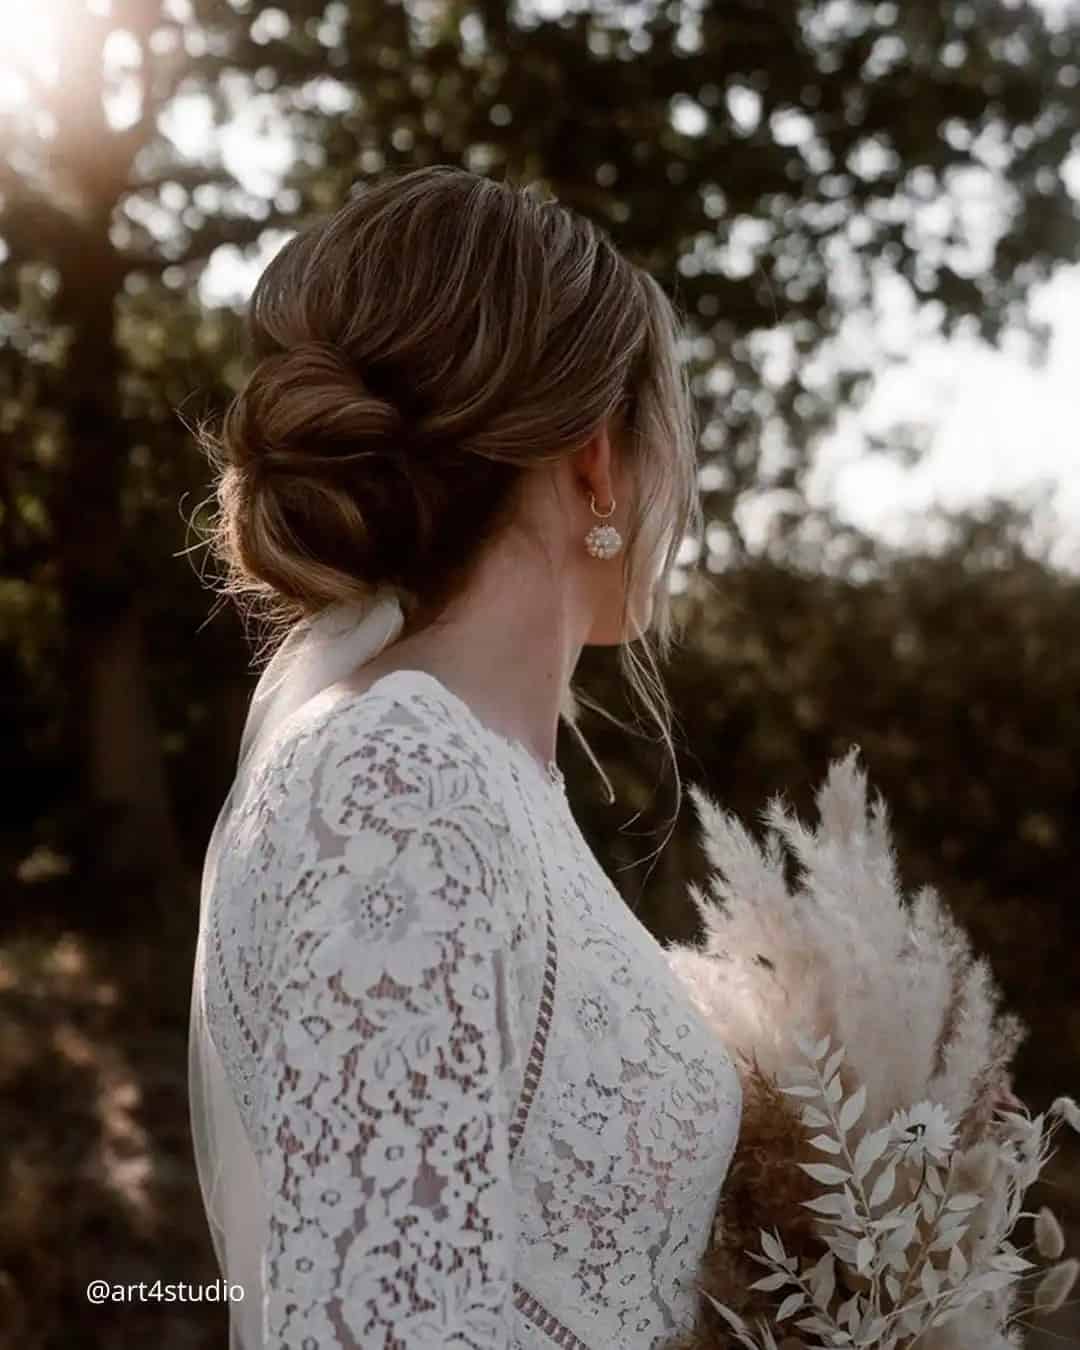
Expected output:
(129, 834)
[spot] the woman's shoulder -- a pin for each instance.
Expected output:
(396, 775)
(407, 727)
(403, 730)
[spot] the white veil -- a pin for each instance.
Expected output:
(316, 654)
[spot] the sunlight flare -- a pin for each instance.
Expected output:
(28, 54)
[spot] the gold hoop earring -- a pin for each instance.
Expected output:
(602, 541)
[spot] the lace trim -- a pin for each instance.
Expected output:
(526, 1303)
(539, 1316)
(535, 1064)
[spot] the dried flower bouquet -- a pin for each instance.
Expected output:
(882, 1158)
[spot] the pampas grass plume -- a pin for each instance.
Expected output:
(1049, 1239)
(1054, 1287)
(881, 1002)
(1065, 1106)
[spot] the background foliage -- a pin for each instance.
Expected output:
(779, 166)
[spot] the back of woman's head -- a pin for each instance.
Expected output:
(415, 353)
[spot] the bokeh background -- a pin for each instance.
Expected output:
(869, 215)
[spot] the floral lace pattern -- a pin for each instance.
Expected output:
(486, 1113)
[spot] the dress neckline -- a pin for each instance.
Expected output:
(549, 772)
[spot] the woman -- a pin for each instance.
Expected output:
(447, 1090)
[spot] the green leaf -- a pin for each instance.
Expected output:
(827, 1204)
(814, 1117)
(957, 1264)
(826, 1173)
(853, 1107)
(772, 1246)
(963, 1200)
(1010, 1261)
(770, 1283)
(870, 1148)
(883, 1187)
(733, 1320)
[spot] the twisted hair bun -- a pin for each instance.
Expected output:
(304, 409)
(415, 353)
(310, 476)
(327, 489)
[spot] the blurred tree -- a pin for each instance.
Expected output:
(776, 164)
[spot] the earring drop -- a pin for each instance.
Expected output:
(602, 541)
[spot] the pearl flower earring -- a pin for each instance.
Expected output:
(603, 541)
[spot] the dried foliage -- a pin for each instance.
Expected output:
(866, 1028)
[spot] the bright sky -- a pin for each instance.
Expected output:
(998, 427)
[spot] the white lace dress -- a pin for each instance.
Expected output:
(486, 1113)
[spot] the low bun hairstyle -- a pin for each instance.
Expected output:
(329, 488)
(415, 354)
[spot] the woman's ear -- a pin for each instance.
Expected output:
(596, 468)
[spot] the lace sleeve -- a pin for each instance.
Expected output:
(383, 1100)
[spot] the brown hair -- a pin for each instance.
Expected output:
(415, 352)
